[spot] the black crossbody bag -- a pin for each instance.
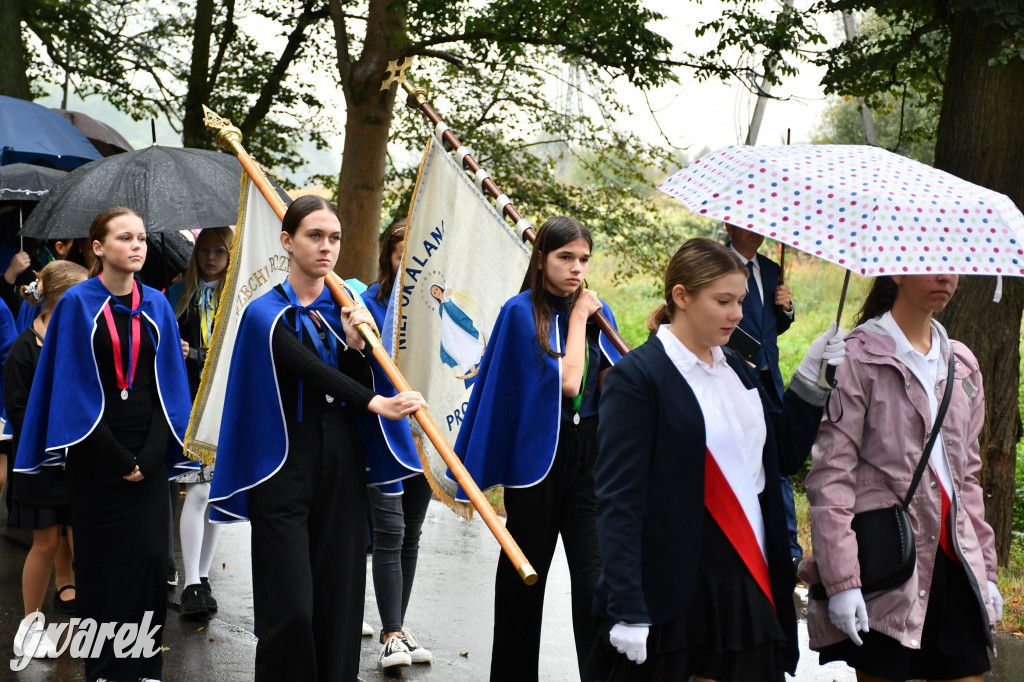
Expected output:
(885, 540)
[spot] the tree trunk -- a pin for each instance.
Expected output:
(193, 129)
(13, 65)
(980, 138)
(367, 130)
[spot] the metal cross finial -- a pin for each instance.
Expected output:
(396, 72)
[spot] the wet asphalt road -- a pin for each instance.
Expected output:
(451, 614)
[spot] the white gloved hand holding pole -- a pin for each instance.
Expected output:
(829, 349)
(630, 640)
(849, 613)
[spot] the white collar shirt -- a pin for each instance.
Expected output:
(724, 402)
(928, 369)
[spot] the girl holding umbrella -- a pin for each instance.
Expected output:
(939, 623)
(697, 579)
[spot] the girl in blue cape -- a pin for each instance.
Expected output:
(531, 426)
(110, 401)
(290, 459)
(398, 509)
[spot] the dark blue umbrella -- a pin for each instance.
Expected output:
(31, 133)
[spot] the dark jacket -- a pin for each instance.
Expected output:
(650, 488)
(767, 326)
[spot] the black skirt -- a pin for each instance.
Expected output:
(729, 632)
(953, 642)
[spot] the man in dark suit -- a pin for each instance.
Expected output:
(767, 312)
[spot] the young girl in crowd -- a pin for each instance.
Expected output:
(696, 578)
(40, 502)
(938, 624)
(196, 308)
(291, 461)
(119, 403)
(531, 426)
(398, 508)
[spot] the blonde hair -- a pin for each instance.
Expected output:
(191, 277)
(696, 264)
(99, 229)
(51, 282)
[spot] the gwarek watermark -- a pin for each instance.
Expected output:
(87, 638)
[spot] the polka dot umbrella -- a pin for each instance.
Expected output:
(863, 208)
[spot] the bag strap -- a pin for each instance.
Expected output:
(936, 428)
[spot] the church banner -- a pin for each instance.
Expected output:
(258, 264)
(462, 261)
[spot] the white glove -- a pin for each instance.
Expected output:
(630, 640)
(996, 599)
(830, 347)
(849, 613)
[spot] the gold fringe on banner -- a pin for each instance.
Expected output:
(194, 449)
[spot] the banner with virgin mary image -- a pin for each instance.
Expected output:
(462, 261)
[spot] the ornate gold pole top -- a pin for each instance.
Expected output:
(229, 137)
(396, 74)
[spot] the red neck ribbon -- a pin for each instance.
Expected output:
(134, 340)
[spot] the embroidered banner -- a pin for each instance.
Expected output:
(258, 264)
(462, 261)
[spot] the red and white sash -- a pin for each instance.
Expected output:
(730, 497)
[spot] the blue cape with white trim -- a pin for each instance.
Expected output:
(253, 441)
(391, 453)
(510, 431)
(66, 401)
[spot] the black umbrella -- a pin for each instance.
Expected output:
(173, 189)
(25, 182)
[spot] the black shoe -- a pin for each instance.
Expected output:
(68, 607)
(172, 576)
(211, 603)
(193, 603)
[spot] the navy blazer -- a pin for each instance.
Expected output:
(767, 327)
(649, 480)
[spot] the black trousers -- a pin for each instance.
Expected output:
(120, 557)
(309, 555)
(563, 503)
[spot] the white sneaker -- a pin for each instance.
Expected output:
(416, 652)
(367, 630)
(31, 639)
(394, 652)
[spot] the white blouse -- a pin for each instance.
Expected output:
(724, 401)
(929, 370)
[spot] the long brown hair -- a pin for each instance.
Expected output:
(555, 233)
(696, 264)
(879, 301)
(51, 282)
(191, 277)
(99, 229)
(392, 237)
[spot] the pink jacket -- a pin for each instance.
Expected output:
(867, 461)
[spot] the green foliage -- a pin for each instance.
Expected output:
(905, 126)
(137, 56)
(549, 154)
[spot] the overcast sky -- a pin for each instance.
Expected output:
(688, 114)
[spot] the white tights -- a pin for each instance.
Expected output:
(198, 536)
